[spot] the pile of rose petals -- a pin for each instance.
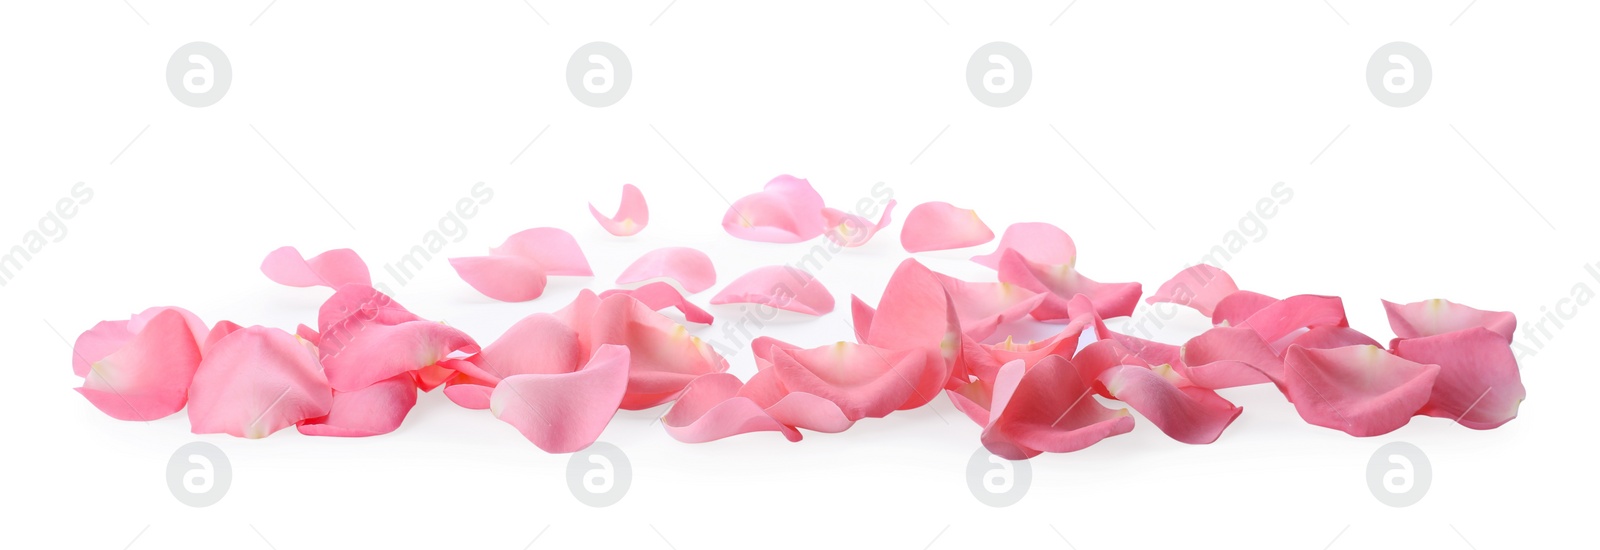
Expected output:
(558, 378)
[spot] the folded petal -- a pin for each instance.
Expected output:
(382, 351)
(850, 230)
(1360, 390)
(864, 381)
(664, 357)
(1199, 287)
(783, 287)
(983, 307)
(942, 226)
(504, 278)
(554, 250)
(332, 269)
(1479, 384)
(147, 376)
(374, 410)
(1234, 309)
(631, 216)
(689, 267)
(1063, 283)
(537, 344)
(660, 295)
(1194, 415)
(1047, 408)
(711, 409)
(1437, 316)
(1226, 357)
(563, 413)
(787, 210)
(1289, 315)
(255, 382)
(1037, 242)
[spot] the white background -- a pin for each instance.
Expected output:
(1192, 110)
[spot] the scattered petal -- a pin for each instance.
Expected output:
(1191, 415)
(1360, 390)
(783, 287)
(1479, 384)
(1047, 408)
(148, 375)
(1436, 317)
(689, 267)
(1199, 287)
(631, 216)
(255, 382)
(374, 410)
(332, 269)
(787, 210)
(942, 226)
(660, 295)
(850, 230)
(563, 413)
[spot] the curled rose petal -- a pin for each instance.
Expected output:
(518, 269)
(1234, 309)
(664, 356)
(942, 226)
(1479, 384)
(1285, 317)
(1037, 242)
(1062, 283)
(787, 210)
(660, 295)
(1436, 317)
(106, 337)
(1360, 390)
(1191, 415)
(850, 230)
(783, 287)
(1226, 357)
(794, 409)
(148, 375)
(367, 337)
(1047, 408)
(565, 412)
(332, 269)
(864, 381)
(711, 409)
(374, 410)
(983, 307)
(555, 250)
(1199, 287)
(255, 382)
(631, 216)
(689, 267)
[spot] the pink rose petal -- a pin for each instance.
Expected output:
(631, 216)
(374, 410)
(1479, 384)
(255, 382)
(1199, 287)
(864, 381)
(1436, 317)
(332, 269)
(787, 210)
(1360, 390)
(148, 375)
(942, 226)
(1047, 408)
(711, 409)
(983, 307)
(689, 267)
(850, 230)
(563, 413)
(660, 295)
(783, 287)
(1190, 415)
(1063, 282)
(518, 269)
(1037, 242)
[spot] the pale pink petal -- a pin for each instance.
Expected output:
(915, 312)
(660, 295)
(1234, 309)
(793, 409)
(631, 217)
(469, 396)
(783, 287)
(1225, 357)
(1037, 242)
(664, 358)
(147, 376)
(983, 307)
(537, 344)
(787, 210)
(1289, 315)
(382, 351)
(764, 347)
(850, 230)
(1199, 287)
(255, 382)
(562, 413)
(711, 409)
(689, 267)
(224, 328)
(1326, 336)
(1063, 283)
(1360, 390)
(504, 278)
(942, 226)
(1437, 316)
(374, 410)
(1047, 408)
(354, 306)
(1479, 384)
(332, 269)
(1195, 416)
(864, 381)
(554, 250)
(104, 338)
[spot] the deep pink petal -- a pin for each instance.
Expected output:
(562, 413)
(1196, 416)
(664, 356)
(1284, 317)
(1479, 384)
(942, 226)
(783, 287)
(469, 396)
(332, 269)
(255, 382)
(850, 230)
(1325, 337)
(631, 216)
(1360, 390)
(1234, 309)
(1047, 408)
(1199, 287)
(504, 278)
(787, 210)
(1436, 317)
(689, 267)
(660, 295)
(1225, 357)
(148, 376)
(374, 410)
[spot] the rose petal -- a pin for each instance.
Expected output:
(1194, 415)
(1479, 384)
(147, 377)
(1036, 242)
(374, 410)
(1284, 317)
(1226, 357)
(983, 307)
(1234, 309)
(660, 295)
(689, 267)
(1199, 287)
(537, 344)
(1047, 408)
(664, 356)
(864, 381)
(1360, 390)
(332, 269)
(942, 226)
(631, 216)
(850, 230)
(711, 409)
(1062, 283)
(504, 278)
(367, 337)
(563, 413)
(555, 250)
(1436, 317)
(787, 210)
(255, 382)
(783, 287)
